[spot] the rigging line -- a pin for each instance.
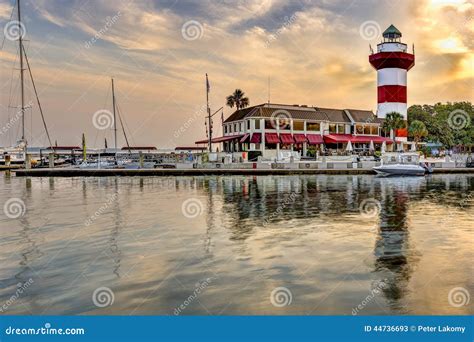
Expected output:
(128, 128)
(123, 129)
(11, 16)
(37, 99)
(11, 81)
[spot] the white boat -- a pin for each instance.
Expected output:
(400, 170)
(16, 153)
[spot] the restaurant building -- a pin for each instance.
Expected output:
(266, 129)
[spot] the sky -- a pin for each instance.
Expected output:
(158, 52)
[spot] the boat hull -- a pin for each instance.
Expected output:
(400, 170)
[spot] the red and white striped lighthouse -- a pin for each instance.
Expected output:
(392, 63)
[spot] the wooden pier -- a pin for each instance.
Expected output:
(69, 172)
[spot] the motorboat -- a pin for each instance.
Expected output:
(401, 170)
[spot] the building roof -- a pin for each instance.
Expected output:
(301, 112)
(391, 30)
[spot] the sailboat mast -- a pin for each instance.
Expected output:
(20, 41)
(115, 119)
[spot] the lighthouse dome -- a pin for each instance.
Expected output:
(391, 33)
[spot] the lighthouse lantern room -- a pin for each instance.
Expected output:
(392, 62)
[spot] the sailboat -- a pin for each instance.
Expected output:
(110, 158)
(17, 153)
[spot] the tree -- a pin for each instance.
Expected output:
(417, 130)
(393, 121)
(448, 123)
(238, 100)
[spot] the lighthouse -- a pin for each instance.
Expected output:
(392, 62)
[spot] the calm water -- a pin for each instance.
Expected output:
(237, 245)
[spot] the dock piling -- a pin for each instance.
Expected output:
(51, 160)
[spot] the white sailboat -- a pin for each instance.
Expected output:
(17, 154)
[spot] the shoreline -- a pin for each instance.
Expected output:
(205, 172)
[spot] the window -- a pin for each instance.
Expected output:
(313, 126)
(235, 127)
(230, 128)
(240, 127)
(248, 124)
(341, 129)
(374, 130)
(332, 128)
(298, 125)
(366, 129)
(270, 124)
(225, 129)
(359, 129)
(257, 124)
(284, 123)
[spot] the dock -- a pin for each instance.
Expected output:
(69, 172)
(10, 167)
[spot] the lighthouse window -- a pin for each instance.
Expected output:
(257, 124)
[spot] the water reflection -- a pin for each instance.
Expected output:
(254, 233)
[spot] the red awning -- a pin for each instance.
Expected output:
(220, 139)
(256, 138)
(337, 138)
(271, 138)
(345, 138)
(245, 138)
(299, 138)
(315, 139)
(286, 138)
(368, 138)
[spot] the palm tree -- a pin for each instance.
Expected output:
(393, 121)
(417, 130)
(237, 99)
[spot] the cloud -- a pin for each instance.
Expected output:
(5, 11)
(311, 50)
